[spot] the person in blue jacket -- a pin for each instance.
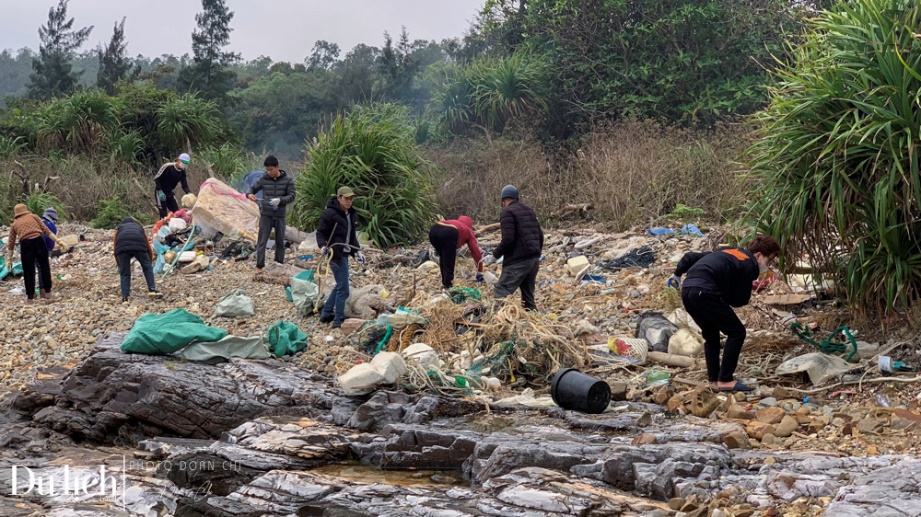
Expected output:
(50, 218)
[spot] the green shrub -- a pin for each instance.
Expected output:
(111, 212)
(38, 202)
(10, 146)
(373, 151)
(836, 162)
(228, 162)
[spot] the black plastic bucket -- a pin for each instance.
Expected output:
(572, 389)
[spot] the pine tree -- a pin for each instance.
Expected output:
(210, 72)
(114, 64)
(52, 73)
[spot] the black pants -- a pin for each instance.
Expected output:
(713, 316)
(35, 252)
(444, 240)
(266, 225)
(521, 275)
(167, 206)
(124, 270)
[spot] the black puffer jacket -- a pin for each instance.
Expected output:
(729, 272)
(281, 187)
(333, 222)
(130, 238)
(522, 237)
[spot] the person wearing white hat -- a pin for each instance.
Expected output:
(166, 180)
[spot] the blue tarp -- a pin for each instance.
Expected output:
(251, 180)
(688, 229)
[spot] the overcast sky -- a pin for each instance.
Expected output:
(284, 30)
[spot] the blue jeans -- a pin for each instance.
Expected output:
(124, 270)
(336, 300)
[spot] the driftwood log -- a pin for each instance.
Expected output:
(580, 209)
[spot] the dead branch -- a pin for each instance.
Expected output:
(488, 228)
(582, 209)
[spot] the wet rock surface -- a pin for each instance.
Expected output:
(303, 449)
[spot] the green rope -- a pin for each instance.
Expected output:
(384, 341)
(828, 346)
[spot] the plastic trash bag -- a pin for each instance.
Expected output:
(656, 329)
(304, 292)
(235, 305)
(286, 339)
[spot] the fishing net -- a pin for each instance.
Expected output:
(462, 294)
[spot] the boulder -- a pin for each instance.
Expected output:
(770, 415)
(112, 395)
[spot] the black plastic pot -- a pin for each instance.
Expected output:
(572, 389)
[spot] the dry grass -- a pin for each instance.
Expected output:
(82, 183)
(440, 333)
(632, 172)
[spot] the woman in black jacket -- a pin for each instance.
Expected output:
(337, 236)
(715, 283)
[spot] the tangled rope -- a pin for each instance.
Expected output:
(827, 346)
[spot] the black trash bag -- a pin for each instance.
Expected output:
(423, 257)
(640, 257)
(656, 329)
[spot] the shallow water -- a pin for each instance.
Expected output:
(356, 472)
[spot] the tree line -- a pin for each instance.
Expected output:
(562, 66)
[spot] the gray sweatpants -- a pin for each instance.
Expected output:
(519, 275)
(266, 225)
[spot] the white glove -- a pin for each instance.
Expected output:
(360, 257)
(324, 250)
(488, 260)
(275, 201)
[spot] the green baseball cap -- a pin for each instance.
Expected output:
(345, 192)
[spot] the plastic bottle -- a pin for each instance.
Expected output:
(658, 378)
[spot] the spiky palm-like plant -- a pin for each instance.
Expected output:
(837, 163)
(78, 123)
(491, 92)
(373, 151)
(187, 119)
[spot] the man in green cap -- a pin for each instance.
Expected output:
(338, 240)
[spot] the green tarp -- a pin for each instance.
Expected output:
(230, 346)
(161, 334)
(5, 271)
(286, 339)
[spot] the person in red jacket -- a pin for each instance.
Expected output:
(449, 236)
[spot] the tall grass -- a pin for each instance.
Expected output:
(83, 182)
(632, 172)
(837, 157)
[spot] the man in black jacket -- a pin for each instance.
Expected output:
(166, 180)
(715, 283)
(131, 243)
(522, 244)
(277, 193)
(337, 236)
